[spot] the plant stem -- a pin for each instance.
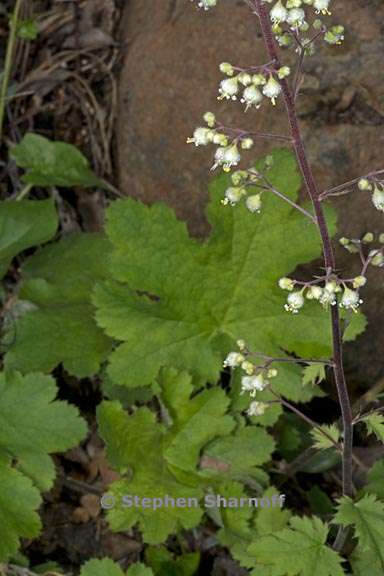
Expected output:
(8, 62)
(24, 192)
(329, 257)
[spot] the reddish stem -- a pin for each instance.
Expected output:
(329, 257)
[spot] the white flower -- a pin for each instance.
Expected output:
(253, 203)
(233, 195)
(378, 198)
(295, 301)
(257, 408)
(328, 296)
(251, 97)
(207, 4)
(296, 17)
(279, 13)
(219, 157)
(314, 293)
(228, 89)
(201, 137)
(253, 384)
(286, 284)
(233, 360)
(321, 6)
(231, 157)
(350, 299)
(272, 89)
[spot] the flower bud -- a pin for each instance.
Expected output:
(364, 184)
(210, 119)
(226, 68)
(359, 281)
(378, 198)
(286, 284)
(253, 203)
(248, 367)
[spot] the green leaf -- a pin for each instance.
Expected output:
(24, 224)
(137, 444)
(32, 430)
(139, 570)
(27, 29)
(322, 442)
(52, 163)
(19, 500)
(159, 459)
(299, 550)
(240, 453)
(241, 527)
(361, 559)
(173, 300)
(313, 374)
(375, 425)
(60, 327)
(375, 479)
(319, 501)
(104, 567)
(163, 564)
(367, 517)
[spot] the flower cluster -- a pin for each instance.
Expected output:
(227, 153)
(375, 256)
(255, 379)
(292, 14)
(376, 189)
(326, 295)
(241, 183)
(253, 87)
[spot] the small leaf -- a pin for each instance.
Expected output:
(19, 501)
(27, 29)
(313, 374)
(321, 441)
(50, 163)
(375, 425)
(375, 483)
(367, 517)
(163, 564)
(24, 224)
(32, 430)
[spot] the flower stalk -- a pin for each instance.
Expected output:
(329, 257)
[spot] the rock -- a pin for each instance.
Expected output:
(170, 78)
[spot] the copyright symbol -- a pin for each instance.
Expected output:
(107, 501)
